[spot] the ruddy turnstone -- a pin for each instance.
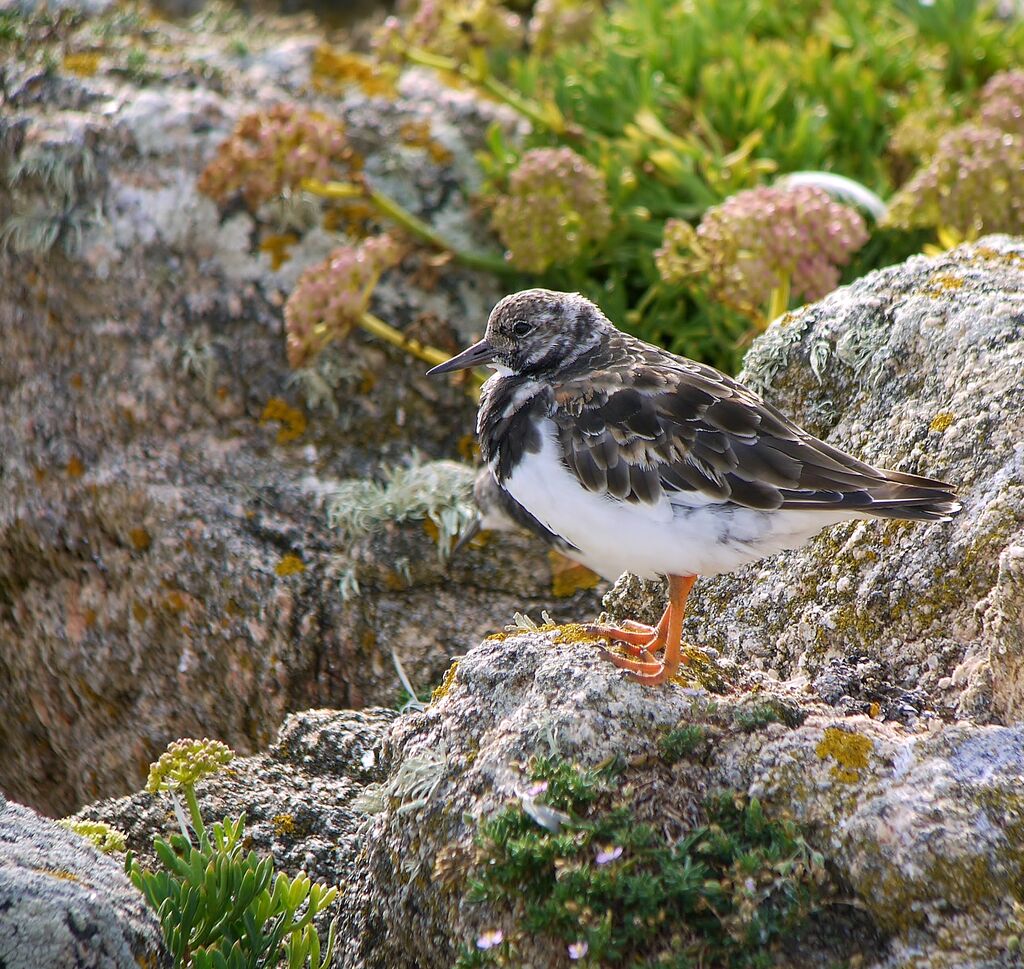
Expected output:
(648, 462)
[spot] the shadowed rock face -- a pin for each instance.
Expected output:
(166, 567)
(917, 368)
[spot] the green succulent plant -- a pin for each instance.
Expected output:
(220, 906)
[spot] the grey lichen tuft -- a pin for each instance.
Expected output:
(437, 491)
(412, 786)
(50, 188)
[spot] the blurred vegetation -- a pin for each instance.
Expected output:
(681, 105)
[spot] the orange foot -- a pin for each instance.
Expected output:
(643, 641)
(636, 638)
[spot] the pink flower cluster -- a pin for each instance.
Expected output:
(273, 150)
(754, 240)
(330, 297)
(974, 181)
(1002, 102)
(451, 28)
(555, 207)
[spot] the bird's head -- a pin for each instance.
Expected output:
(534, 332)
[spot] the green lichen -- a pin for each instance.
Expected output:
(575, 868)
(849, 750)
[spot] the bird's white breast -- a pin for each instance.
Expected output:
(681, 535)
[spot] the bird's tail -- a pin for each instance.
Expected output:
(913, 498)
(880, 493)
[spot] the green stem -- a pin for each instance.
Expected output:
(778, 303)
(197, 818)
(384, 331)
(413, 225)
(474, 260)
(550, 119)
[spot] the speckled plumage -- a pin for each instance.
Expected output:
(649, 462)
(640, 426)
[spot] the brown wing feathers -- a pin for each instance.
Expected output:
(689, 431)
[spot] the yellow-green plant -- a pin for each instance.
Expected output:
(219, 906)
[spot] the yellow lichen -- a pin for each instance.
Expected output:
(84, 64)
(75, 468)
(284, 824)
(416, 134)
(291, 419)
(61, 873)
(333, 70)
(941, 421)
(570, 634)
(943, 283)
(174, 601)
(569, 577)
(440, 692)
(276, 246)
(290, 565)
(849, 750)
(140, 539)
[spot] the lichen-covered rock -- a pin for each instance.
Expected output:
(166, 565)
(63, 905)
(924, 829)
(917, 367)
(297, 796)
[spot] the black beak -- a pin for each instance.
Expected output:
(478, 354)
(471, 531)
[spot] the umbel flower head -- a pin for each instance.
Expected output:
(331, 296)
(185, 762)
(272, 151)
(556, 206)
(974, 183)
(451, 28)
(557, 23)
(1001, 102)
(757, 239)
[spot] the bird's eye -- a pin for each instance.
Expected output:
(521, 328)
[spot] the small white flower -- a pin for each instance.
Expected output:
(578, 950)
(606, 855)
(490, 938)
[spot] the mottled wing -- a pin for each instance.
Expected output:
(656, 424)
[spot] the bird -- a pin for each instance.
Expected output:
(637, 459)
(498, 511)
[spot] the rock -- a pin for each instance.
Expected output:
(917, 368)
(297, 796)
(922, 831)
(64, 905)
(166, 565)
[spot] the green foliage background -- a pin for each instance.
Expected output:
(682, 104)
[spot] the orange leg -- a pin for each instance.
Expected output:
(669, 636)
